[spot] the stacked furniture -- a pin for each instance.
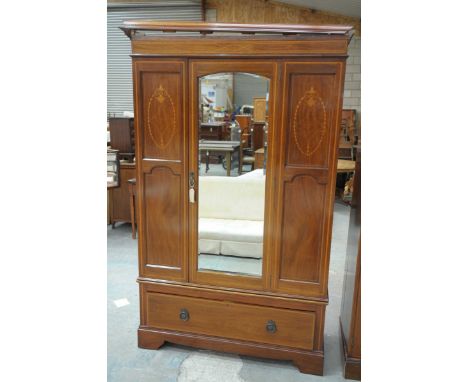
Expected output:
(120, 210)
(279, 313)
(347, 134)
(122, 136)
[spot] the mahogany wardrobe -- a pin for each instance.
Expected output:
(234, 257)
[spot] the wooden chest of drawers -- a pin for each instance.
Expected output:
(122, 135)
(262, 326)
(253, 323)
(214, 131)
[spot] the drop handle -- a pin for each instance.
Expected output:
(192, 187)
(271, 326)
(184, 314)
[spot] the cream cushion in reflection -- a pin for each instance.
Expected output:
(231, 216)
(231, 229)
(209, 246)
(237, 198)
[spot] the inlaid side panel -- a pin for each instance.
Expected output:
(160, 121)
(162, 114)
(301, 231)
(311, 110)
(163, 218)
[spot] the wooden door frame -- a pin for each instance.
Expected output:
(269, 68)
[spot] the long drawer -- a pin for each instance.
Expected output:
(253, 323)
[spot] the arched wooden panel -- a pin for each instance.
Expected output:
(306, 181)
(163, 218)
(301, 228)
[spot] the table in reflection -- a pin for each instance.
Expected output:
(225, 147)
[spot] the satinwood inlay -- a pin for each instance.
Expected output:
(309, 123)
(161, 117)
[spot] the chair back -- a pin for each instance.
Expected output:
(347, 131)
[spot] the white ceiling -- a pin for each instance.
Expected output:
(341, 7)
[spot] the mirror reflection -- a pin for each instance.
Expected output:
(233, 128)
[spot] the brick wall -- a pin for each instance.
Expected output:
(352, 89)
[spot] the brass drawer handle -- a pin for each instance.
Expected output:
(184, 314)
(271, 326)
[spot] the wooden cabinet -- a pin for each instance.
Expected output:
(278, 312)
(350, 318)
(120, 196)
(214, 131)
(122, 136)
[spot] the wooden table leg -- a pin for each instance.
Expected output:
(132, 213)
(228, 163)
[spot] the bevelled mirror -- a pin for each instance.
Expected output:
(232, 157)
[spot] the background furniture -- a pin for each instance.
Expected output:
(345, 166)
(347, 134)
(245, 125)
(132, 191)
(258, 135)
(246, 154)
(113, 168)
(350, 318)
(119, 206)
(259, 112)
(259, 158)
(281, 312)
(206, 148)
(214, 131)
(348, 138)
(122, 136)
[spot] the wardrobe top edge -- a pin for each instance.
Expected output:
(132, 27)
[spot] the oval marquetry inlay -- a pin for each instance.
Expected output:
(309, 123)
(161, 117)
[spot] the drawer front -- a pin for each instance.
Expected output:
(231, 320)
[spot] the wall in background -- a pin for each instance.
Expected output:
(247, 87)
(262, 11)
(352, 92)
(119, 63)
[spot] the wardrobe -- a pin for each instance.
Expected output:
(236, 261)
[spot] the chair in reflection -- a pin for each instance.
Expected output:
(246, 152)
(245, 122)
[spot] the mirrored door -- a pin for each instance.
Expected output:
(232, 160)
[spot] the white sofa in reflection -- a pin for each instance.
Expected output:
(230, 214)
